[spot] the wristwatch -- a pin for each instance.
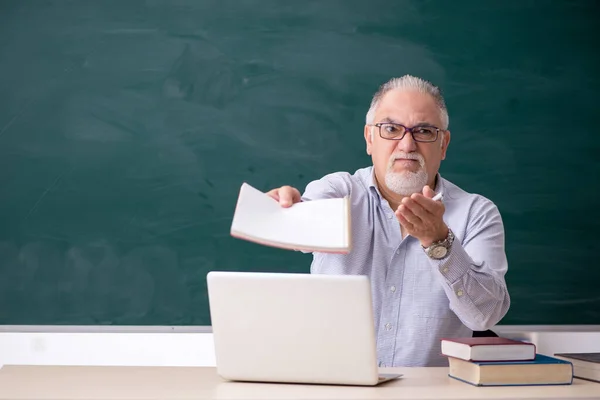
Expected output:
(440, 249)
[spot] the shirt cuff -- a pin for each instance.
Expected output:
(456, 265)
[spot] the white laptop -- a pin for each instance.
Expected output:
(294, 328)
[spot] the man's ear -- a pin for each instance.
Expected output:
(369, 138)
(444, 143)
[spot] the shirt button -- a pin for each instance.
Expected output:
(388, 326)
(445, 270)
(393, 289)
(390, 216)
(397, 251)
(459, 292)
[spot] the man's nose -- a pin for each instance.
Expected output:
(407, 144)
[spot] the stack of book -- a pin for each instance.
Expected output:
(496, 361)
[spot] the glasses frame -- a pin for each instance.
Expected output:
(410, 130)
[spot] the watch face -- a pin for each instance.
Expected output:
(439, 252)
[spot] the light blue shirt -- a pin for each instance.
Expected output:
(417, 301)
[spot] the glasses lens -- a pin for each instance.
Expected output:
(425, 134)
(391, 131)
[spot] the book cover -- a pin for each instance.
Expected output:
(540, 359)
(316, 225)
(488, 349)
(543, 370)
(587, 357)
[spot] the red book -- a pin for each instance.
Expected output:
(488, 349)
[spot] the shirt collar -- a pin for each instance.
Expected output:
(371, 182)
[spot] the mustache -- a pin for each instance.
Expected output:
(408, 156)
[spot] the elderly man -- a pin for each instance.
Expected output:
(436, 266)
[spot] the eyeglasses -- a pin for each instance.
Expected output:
(393, 131)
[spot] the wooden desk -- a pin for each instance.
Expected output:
(57, 382)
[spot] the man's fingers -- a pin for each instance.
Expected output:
(288, 196)
(404, 222)
(409, 215)
(274, 194)
(428, 192)
(427, 204)
(416, 208)
(285, 195)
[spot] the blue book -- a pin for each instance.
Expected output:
(543, 370)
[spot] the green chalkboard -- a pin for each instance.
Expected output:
(127, 128)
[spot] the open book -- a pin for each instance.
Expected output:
(317, 225)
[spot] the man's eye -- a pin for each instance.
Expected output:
(425, 131)
(391, 128)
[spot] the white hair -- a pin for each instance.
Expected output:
(409, 82)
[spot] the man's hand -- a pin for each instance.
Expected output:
(286, 195)
(422, 217)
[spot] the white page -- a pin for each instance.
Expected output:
(318, 224)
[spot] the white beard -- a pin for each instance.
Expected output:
(406, 183)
